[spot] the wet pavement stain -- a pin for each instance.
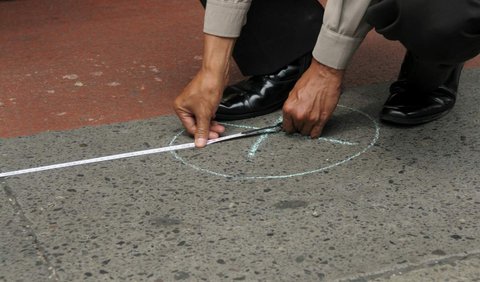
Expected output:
(295, 204)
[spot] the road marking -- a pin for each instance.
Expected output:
(337, 141)
(373, 141)
(253, 150)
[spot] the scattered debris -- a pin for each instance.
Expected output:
(113, 84)
(70, 76)
(154, 69)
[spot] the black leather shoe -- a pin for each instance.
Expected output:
(409, 104)
(260, 95)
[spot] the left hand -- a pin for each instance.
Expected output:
(312, 101)
(196, 106)
(197, 103)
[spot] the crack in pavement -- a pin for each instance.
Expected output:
(388, 272)
(27, 224)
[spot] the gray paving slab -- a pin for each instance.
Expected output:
(20, 257)
(367, 202)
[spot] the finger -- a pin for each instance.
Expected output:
(298, 125)
(318, 127)
(213, 135)
(307, 128)
(218, 128)
(188, 122)
(329, 108)
(324, 118)
(203, 130)
(317, 130)
(287, 123)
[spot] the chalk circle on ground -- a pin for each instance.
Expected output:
(349, 134)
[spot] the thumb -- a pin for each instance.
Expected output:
(203, 129)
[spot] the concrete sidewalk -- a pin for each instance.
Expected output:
(366, 202)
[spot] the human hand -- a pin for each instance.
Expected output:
(312, 101)
(197, 104)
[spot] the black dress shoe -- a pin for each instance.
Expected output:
(260, 95)
(410, 104)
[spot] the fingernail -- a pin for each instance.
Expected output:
(200, 142)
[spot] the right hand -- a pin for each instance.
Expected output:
(313, 99)
(197, 104)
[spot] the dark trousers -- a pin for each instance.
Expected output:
(277, 32)
(439, 33)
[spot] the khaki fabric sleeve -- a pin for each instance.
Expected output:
(343, 30)
(226, 18)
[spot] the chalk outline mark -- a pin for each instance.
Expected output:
(370, 145)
